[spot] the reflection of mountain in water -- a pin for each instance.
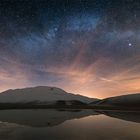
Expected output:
(42, 118)
(128, 116)
(50, 117)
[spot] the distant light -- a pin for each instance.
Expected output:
(129, 44)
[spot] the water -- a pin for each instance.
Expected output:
(68, 125)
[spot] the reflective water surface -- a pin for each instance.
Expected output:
(69, 125)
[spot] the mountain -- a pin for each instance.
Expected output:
(40, 94)
(130, 100)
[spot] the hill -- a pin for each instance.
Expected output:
(40, 94)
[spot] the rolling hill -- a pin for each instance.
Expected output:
(126, 101)
(40, 94)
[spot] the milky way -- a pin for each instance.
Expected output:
(86, 47)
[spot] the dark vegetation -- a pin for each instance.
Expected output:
(61, 106)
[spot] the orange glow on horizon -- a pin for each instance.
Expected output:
(87, 80)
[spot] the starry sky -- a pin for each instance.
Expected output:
(87, 47)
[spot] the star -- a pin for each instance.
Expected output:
(130, 44)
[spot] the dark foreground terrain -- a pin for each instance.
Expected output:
(5, 106)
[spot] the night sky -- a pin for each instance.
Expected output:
(88, 47)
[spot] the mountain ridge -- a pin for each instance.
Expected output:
(40, 93)
(129, 100)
